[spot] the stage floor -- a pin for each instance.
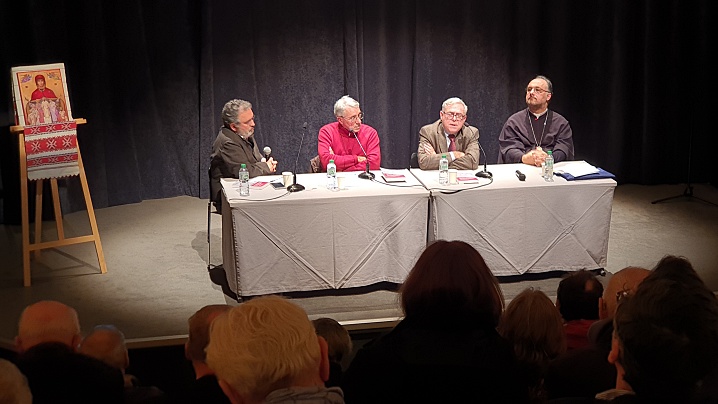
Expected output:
(156, 254)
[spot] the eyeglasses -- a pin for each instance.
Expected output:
(454, 116)
(354, 118)
(537, 90)
(621, 294)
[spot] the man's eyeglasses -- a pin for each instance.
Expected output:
(537, 90)
(621, 294)
(454, 116)
(355, 118)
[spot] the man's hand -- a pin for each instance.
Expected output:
(361, 159)
(535, 157)
(458, 154)
(272, 164)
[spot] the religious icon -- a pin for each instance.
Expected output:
(40, 94)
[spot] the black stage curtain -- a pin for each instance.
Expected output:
(151, 78)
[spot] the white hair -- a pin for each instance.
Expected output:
(13, 385)
(232, 109)
(452, 101)
(343, 103)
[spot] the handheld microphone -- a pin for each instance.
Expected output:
(367, 175)
(267, 151)
(521, 176)
(482, 174)
(296, 187)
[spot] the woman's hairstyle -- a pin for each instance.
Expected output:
(452, 277)
(534, 326)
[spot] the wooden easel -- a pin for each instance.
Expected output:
(38, 245)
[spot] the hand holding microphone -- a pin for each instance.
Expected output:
(271, 163)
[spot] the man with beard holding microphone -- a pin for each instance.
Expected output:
(342, 141)
(234, 146)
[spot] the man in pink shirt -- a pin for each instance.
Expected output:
(342, 141)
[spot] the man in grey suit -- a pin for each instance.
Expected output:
(451, 136)
(235, 146)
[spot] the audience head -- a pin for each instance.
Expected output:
(452, 277)
(620, 284)
(666, 334)
(265, 344)
(534, 326)
(199, 325)
(107, 344)
(13, 385)
(48, 321)
(577, 296)
(338, 339)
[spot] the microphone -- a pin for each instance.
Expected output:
(296, 187)
(267, 151)
(482, 174)
(521, 176)
(367, 175)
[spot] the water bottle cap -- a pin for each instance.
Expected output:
(549, 152)
(243, 166)
(443, 156)
(331, 161)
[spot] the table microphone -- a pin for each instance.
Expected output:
(482, 174)
(367, 175)
(267, 152)
(521, 176)
(296, 187)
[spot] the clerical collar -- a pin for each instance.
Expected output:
(537, 116)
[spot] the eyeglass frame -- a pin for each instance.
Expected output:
(453, 116)
(358, 117)
(537, 90)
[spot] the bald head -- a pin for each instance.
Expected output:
(107, 344)
(48, 321)
(625, 280)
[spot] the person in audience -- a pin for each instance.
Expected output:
(13, 385)
(107, 343)
(665, 343)
(529, 133)
(234, 146)
(205, 388)
(48, 321)
(577, 300)
(450, 136)
(266, 350)
(567, 375)
(339, 343)
(446, 348)
(47, 341)
(340, 141)
(534, 326)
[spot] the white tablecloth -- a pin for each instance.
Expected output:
(318, 239)
(525, 226)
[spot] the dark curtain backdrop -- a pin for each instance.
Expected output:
(151, 77)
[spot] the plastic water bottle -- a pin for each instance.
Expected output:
(443, 170)
(332, 176)
(548, 167)
(243, 180)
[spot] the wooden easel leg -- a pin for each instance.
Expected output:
(26, 277)
(91, 214)
(38, 215)
(58, 209)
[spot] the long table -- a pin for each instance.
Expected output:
(274, 241)
(529, 226)
(316, 239)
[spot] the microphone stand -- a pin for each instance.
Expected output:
(298, 187)
(482, 174)
(367, 175)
